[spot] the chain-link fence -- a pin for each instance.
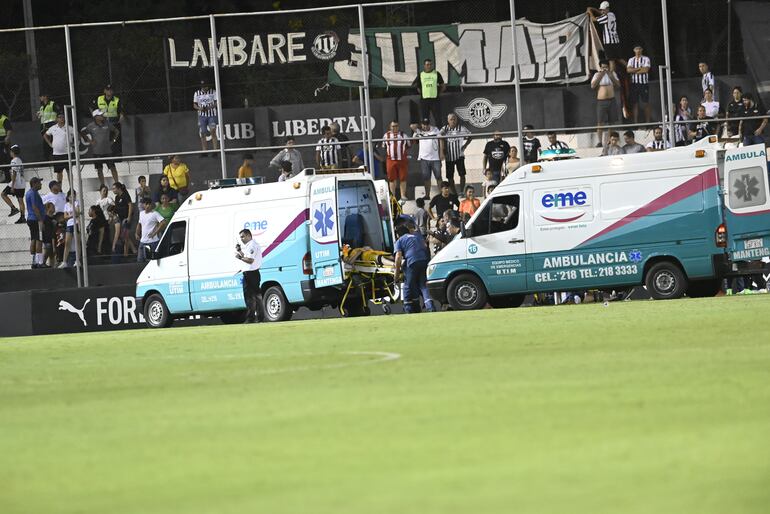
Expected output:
(286, 74)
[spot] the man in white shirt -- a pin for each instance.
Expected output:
(205, 102)
(250, 254)
(56, 138)
(16, 185)
(56, 196)
(151, 223)
(428, 155)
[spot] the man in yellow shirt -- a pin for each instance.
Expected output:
(246, 170)
(178, 177)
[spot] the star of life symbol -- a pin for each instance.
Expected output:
(746, 188)
(323, 219)
(635, 256)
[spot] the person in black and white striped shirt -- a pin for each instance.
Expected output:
(708, 80)
(639, 69)
(658, 143)
(609, 31)
(327, 151)
(453, 150)
(205, 102)
(555, 144)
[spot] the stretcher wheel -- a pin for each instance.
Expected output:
(386, 308)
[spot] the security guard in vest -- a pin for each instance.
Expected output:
(112, 108)
(429, 84)
(47, 115)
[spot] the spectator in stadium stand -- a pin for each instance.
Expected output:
(513, 162)
(658, 143)
(631, 145)
(531, 145)
(359, 160)
(97, 232)
(604, 82)
(639, 69)
(113, 110)
(16, 184)
(452, 150)
(428, 154)
(412, 256)
(104, 199)
(165, 189)
(443, 201)
(430, 85)
(328, 150)
(470, 204)
(711, 105)
(289, 153)
(56, 196)
(48, 236)
(751, 130)
(246, 169)
(612, 147)
(421, 217)
(681, 129)
(55, 138)
(117, 244)
(488, 179)
(555, 144)
(734, 110)
(703, 126)
(707, 80)
(178, 177)
(397, 146)
(46, 113)
(35, 218)
(71, 215)
(286, 171)
(101, 135)
(165, 208)
(439, 237)
(344, 155)
(608, 25)
(124, 209)
(205, 102)
(6, 129)
(151, 224)
(142, 190)
(495, 153)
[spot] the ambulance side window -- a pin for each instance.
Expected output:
(173, 240)
(499, 215)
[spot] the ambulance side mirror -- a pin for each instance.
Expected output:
(149, 253)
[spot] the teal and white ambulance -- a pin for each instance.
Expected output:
(675, 221)
(300, 224)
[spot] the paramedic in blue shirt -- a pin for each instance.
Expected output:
(251, 255)
(412, 255)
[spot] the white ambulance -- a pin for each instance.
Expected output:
(675, 221)
(301, 225)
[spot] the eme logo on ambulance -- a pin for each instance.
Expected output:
(562, 200)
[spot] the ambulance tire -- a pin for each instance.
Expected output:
(506, 302)
(156, 313)
(466, 292)
(704, 288)
(233, 317)
(277, 308)
(665, 281)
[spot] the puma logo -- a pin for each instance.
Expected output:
(66, 306)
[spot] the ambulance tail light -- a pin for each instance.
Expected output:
(307, 264)
(721, 236)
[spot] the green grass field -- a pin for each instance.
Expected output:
(655, 407)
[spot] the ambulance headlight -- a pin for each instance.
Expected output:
(431, 269)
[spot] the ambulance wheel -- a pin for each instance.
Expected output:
(233, 317)
(466, 292)
(704, 288)
(665, 281)
(156, 313)
(277, 308)
(507, 302)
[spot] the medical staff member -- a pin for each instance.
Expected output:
(412, 250)
(251, 255)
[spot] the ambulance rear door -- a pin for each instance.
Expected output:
(325, 240)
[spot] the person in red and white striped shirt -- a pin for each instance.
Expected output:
(397, 146)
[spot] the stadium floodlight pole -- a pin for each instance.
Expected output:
(669, 92)
(220, 117)
(69, 174)
(79, 190)
(367, 102)
(516, 81)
